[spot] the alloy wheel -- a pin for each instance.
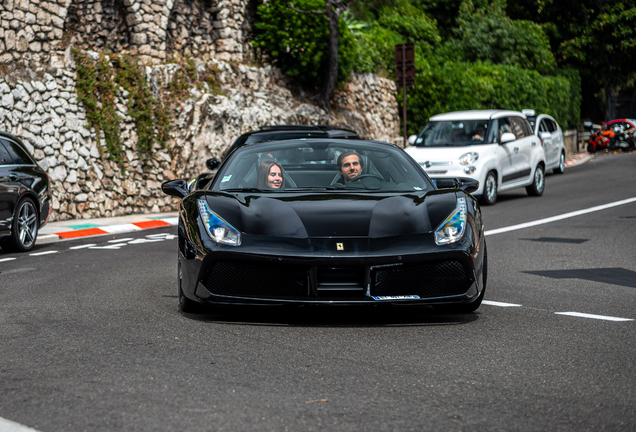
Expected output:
(27, 224)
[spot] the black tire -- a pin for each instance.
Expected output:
(538, 182)
(629, 146)
(471, 307)
(489, 195)
(561, 168)
(185, 304)
(24, 227)
(590, 148)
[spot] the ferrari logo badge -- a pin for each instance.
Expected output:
(340, 246)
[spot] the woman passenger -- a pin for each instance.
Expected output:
(270, 175)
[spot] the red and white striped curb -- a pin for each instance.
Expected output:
(108, 229)
(578, 159)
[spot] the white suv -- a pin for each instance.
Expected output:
(495, 147)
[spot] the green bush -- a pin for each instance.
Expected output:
(298, 43)
(458, 86)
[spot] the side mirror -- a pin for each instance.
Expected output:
(508, 137)
(445, 183)
(466, 184)
(545, 135)
(412, 139)
(177, 188)
(212, 164)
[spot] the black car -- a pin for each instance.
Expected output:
(283, 132)
(328, 221)
(25, 204)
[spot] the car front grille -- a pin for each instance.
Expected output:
(236, 278)
(265, 280)
(436, 279)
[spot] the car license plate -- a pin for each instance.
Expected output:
(402, 297)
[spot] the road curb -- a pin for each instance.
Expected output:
(578, 159)
(107, 229)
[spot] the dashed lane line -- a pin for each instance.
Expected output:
(121, 240)
(11, 426)
(598, 317)
(83, 246)
(559, 217)
(6, 259)
(44, 253)
(501, 304)
(574, 314)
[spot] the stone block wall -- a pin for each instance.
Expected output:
(154, 30)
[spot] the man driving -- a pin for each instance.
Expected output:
(350, 165)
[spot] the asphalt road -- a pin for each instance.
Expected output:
(91, 338)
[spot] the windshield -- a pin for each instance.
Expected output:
(456, 133)
(320, 164)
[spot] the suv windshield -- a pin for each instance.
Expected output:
(320, 164)
(456, 133)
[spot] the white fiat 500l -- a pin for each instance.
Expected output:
(498, 148)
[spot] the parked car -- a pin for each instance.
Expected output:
(25, 204)
(495, 147)
(328, 221)
(550, 133)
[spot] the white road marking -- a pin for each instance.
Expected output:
(11, 426)
(115, 246)
(171, 220)
(139, 241)
(559, 217)
(600, 317)
(43, 253)
(494, 303)
(6, 259)
(120, 240)
(165, 236)
(83, 246)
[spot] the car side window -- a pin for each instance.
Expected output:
(518, 127)
(17, 153)
(5, 156)
(543, 127)
(504, 126)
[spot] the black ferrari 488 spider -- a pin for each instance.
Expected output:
(328, 221)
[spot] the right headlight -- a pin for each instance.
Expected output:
(218, 230)
(468, 158)
(454, 226)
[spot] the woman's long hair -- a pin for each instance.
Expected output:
(263, 173)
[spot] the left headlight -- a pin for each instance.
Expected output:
(218, 230)
(454, 226)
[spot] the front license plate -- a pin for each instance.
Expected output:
(407, 297)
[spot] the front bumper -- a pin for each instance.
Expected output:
(312, 272)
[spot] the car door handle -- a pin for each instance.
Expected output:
(534, 143)
(516, 149)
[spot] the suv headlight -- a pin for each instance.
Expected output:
(218, 230)
(468, 158)
(454, 226)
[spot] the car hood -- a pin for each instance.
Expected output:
(443, 154)
(333, 215)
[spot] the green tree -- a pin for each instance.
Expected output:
(598, 38)
(300, 44)
(488, 34)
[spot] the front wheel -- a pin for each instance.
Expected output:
(538, 183)
(489, 196)
(185, 304)
(628, 146)
(24, 227)
(561, 168)
(591, 148)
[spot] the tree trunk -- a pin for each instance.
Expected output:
(329, 83)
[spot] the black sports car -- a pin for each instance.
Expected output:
(328, 221)
(25, 204)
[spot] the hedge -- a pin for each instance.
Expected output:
(458, 86)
